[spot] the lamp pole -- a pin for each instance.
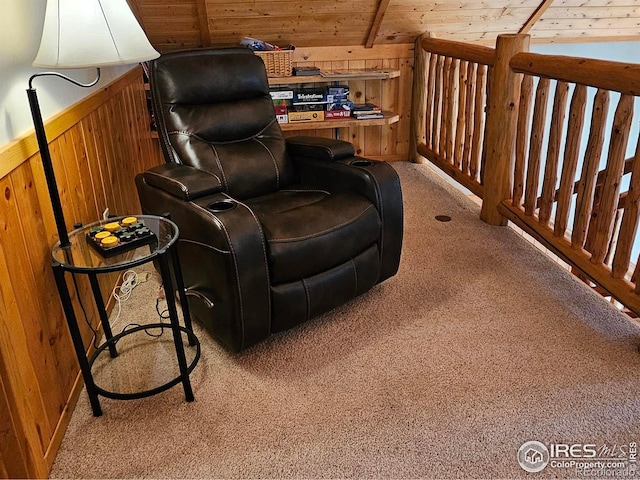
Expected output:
(45, 155)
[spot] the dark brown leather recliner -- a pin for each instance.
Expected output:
(273, 232)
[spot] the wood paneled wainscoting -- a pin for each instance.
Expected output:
(98, 146)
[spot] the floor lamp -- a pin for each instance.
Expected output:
(82, 34)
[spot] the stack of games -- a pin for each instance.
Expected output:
(365, 111)
(338, 103)
(116, 237)
(315, 104)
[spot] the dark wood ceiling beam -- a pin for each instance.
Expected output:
(377, 22)
(535, 16)
(203, 21)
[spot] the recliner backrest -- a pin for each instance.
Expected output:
(214, 112)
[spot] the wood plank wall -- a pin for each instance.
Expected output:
(390, 142)
(97, 147)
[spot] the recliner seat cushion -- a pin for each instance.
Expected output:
(310, 231)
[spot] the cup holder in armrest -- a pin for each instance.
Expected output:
(222, 206)
(361, 163)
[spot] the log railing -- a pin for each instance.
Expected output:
(573, 198)
(558, 158)
(455, 82)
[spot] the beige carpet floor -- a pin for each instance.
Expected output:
(479, 344)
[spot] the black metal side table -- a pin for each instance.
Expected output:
(83, 258)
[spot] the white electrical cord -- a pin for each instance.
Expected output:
(122, 293)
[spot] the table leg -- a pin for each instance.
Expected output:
(76, 337)
(104, 318)
(177, 335)
(177, 272)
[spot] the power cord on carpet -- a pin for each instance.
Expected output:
(121, 293)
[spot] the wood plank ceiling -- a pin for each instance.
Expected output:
(179, 24)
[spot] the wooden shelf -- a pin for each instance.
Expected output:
(374, 74)
(389, 118)
(292, 80)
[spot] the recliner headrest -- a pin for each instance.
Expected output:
(210, 76)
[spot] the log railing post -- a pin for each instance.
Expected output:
(419, 93)
(501, 127)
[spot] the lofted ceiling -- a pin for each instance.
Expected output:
(179, 24)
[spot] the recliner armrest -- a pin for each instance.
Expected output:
(183, 181)
(319, 148)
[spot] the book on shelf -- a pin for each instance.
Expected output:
(367, 107)
(367, 115)
(306, 71)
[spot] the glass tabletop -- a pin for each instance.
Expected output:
(134, 240)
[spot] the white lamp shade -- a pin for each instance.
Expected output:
(91, 33)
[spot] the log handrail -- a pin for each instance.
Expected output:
(460, 50)
(604, 74)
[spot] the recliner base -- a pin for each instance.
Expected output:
(296, 302)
